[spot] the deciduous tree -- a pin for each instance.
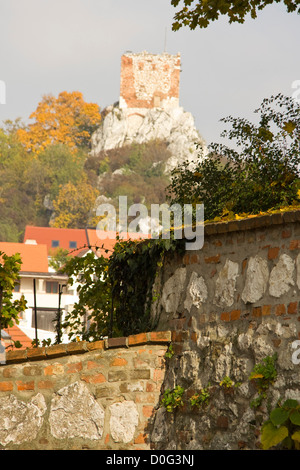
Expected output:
(67, 119)
(261, 174)
(74, 205)
(197, 13)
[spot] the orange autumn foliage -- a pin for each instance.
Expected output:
(67, 119)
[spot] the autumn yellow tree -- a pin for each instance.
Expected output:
(73, 207)
(67, 119)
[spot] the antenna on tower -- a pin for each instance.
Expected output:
(165, 47)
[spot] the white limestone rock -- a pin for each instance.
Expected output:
(196, 292)
(256, 280)
(281, 277)
(225, 284)
(172, 290)
(75, 413)
(174, 125)
(124, 419)
(20, 421)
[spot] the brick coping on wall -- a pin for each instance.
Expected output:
(81, 347)
(252, 222)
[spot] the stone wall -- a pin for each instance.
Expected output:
(221, 310)
(82, 395)
(230, 305)
(149, 80)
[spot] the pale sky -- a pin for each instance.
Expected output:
(49, 46)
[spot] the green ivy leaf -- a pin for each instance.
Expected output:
(279, 416)
(271, 435)
(295, 417)
(296, 436)
(290, 403)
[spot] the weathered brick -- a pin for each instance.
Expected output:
(115, 376)
(256, 312)
(273, 252)
(235, 315)
(134, 340)
(56, 350)
(286, 233)
(141, 439)
(159, 336)
(6, 386)
(76, 347)
(16, 356)
(222, 422)
(25, 385)
(280, 309)
(32, 370)
(225, 316)
(194, 259)
(212, 259)
(292, 307)
(8, 372)
(294, 244)
(95, 345)
(266, 310)
(116, 342)
(94, 379)
(45, 384)
(118, 361)
(140, 374)
(54, 369)
(148, 411)
(73, 367)
(36, 353)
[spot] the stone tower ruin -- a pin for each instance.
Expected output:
(149, 80)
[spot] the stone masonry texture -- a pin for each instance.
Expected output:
(219, 312)
(230, 305)
(82, 395)
(149, 80)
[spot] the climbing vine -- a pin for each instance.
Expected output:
(115, 293)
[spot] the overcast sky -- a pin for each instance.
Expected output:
(49, 46)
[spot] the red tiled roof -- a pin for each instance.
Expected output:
(84, 238)
(45, 235)
(34, 257)
(17, 334)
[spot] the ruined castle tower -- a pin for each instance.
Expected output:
(149, 80)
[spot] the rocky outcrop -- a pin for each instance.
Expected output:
(174, 125)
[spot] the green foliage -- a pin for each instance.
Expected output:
(200, 13)
(90, 316)
(170, 352)
(201, 399)
(132, 269)
(226, 382)
(263, 375)
(58, 258)
(261, 176)
(9, 274)
(172, 399)
(283, 427)
(115, 293)
(141, 174)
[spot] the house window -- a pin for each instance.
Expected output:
(54, 243)
(45, 319)
(51, 287)
(72, 244)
